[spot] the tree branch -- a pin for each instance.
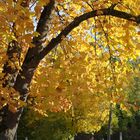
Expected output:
(102, 12)
(42, 29)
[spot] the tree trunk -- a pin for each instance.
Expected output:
(120, 136)
(109, 123)
(10, 73)
(11, 124)
(21, 82)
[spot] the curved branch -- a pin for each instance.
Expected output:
(102, 12)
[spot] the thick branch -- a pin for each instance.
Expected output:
(31, 61)
(78, 20)
(42, 29)
(10, 123)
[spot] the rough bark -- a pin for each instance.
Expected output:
(10, 70)
(10, 122)
(10, 73)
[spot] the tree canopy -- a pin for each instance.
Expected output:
(62, 55)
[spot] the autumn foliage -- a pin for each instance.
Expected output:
(68, 55)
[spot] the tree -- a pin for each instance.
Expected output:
(30, 30)
(37, 127)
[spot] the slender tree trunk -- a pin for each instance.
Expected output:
(120, 136)
(109, 123)
(120, 120)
